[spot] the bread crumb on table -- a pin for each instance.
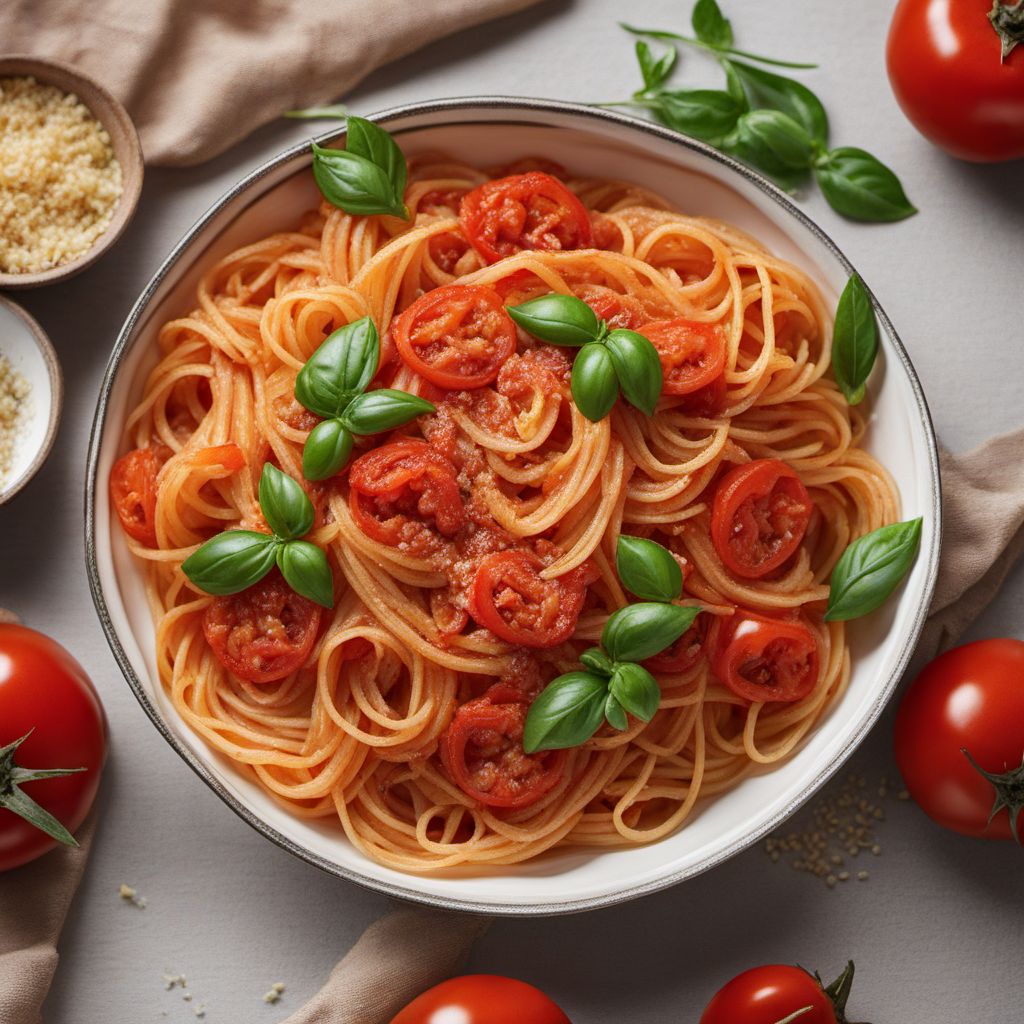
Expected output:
(59, 179)
(275, 993)
(130, 895)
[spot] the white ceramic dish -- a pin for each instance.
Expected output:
(27, 348)
(697, 178)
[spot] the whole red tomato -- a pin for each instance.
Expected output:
(482, 999)
(50, 718)
(778, 994)
(968, 701)
(959, 76)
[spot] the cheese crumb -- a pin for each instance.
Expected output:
(275, 993)
(174, 980)
(14, 391)
(130, 895)
(59, 179)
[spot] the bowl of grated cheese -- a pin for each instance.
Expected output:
(70, 171)
(31, 395)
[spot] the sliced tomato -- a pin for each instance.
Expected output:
(684, 653)
(457, 337)
(692, 354)
(511, 599)
(614, 308)
(524, 211)
(133, 492)
(263, 633)
(446, 250)
(763, 659)
(441, 201)
(706, 401)
(759, 517)
(397, 488)
(482, 751)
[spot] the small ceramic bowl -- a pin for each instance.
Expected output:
(27, 348)
(123, 138)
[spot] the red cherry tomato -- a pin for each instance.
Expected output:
(524, 211)
(970, 698)
(615, 309)
(457, 337)
(770, 995)
(759, 516)
(133, 492)
(482, 750)
(692, 354)
(945, 66)
(481, 999)
(398, 488)
(684, 653)
(263, 633)
(762, 659)
(45, 694)
(511, 599)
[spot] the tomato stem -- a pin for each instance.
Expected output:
(1008, 23)
(12, 797)
(1009, 787)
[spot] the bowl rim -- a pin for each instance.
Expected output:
(408, 891)
(55, 376)
(114, 118)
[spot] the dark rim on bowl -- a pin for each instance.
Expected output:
(55, 376)
(507, 909)
(124, 140)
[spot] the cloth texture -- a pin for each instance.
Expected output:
(410, 950)
(34, 900)
(197, 76)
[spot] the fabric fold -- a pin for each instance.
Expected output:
(233, 65)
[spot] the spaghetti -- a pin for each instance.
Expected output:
(382, 683)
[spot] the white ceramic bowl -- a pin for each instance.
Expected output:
(698, 179)
(27, 348)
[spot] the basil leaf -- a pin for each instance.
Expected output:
(640, 631)
(710, 25)
(286, 507)
(638, 368)
(354, 184)
(774, 143)
(768, 91)
(339, 369)
(615, 714)
(567, 713)
(734, 85)
(328, 449)
(594, 384)
(306, 570)
(636, 690)
(707, 114)
(329, 112)
(861, 187)
(597, 661)
(368, 140)
(558, 319)
(647, 569)
(377, 411)
(870, 569)
(655, 70)
(231, 561)
(854, 340)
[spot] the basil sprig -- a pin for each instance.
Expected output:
(870, 569)
(854, 340)
(608, 361)
(329, 112)
(333, 384)
(572, 707)
(236, 559)
(769, 121)
(366, 177)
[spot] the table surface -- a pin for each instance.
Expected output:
(936, 931)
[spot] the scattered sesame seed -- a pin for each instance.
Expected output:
(174, 980)
(903, 794)
(862, 876)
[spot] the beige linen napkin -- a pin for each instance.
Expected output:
(410, 950)
(233, 65)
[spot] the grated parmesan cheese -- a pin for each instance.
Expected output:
(14, 390)
(59, 179)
